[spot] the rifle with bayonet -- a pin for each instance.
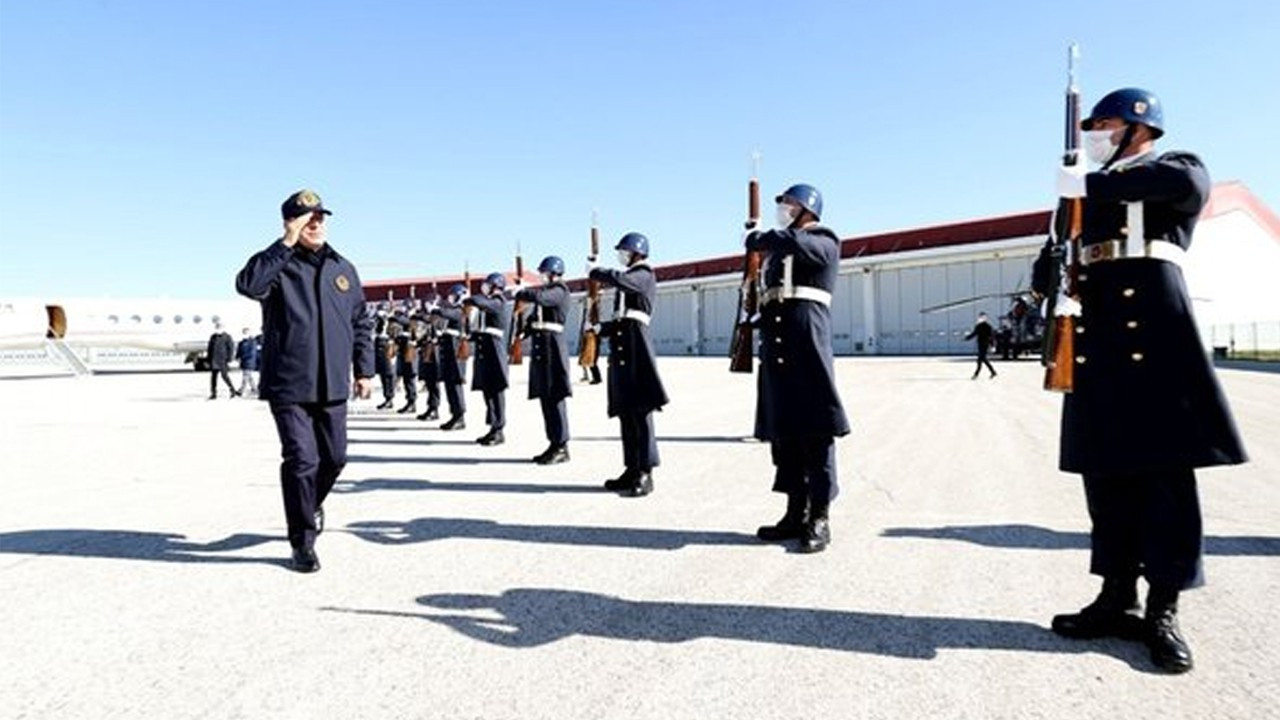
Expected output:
(588, 342)
(1058, 353)
(515, 338)
(464, 343)
(742, 346)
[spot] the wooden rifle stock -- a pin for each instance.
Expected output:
(515, 339)
(742, 345)
(1058, 354)
(589, 343)
(464, 341)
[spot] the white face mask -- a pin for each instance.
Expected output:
(786, 215)
(1098, 146)
(624, 258)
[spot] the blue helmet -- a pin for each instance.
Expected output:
(496, 280)
(458, 289)
(806, 196)
(635, 242)
(551, 264)
(1133, 105)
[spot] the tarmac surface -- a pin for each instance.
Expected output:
(143, 569)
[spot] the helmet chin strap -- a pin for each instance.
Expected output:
(1125, 141)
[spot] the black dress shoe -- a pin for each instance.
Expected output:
(429, 415)
(642, 486)
(408, 408)
(385, 404)
(494, 437)
(1169, 650)
(816, 536)
(1099, 621)
(455, 423)
(622, 482)
(784, 529)
(305, 560)
(319, 519)
(554, 456)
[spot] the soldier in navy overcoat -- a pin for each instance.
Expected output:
(1146, 408)
(798, 408)
(489, 347)
(453, 370)
(549, 379)
(428, 362)
(635, 390)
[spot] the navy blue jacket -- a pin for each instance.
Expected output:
(452, 370)
(247, 353)
(489, 373)
(634, 385)
(1145, 396)
(796, 390)
(315, 329)
(549, 365)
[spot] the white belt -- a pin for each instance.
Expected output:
(638, 315)
(1116, 250)
(496, 332)
(450, 331)
(798, 292)
(548, 326)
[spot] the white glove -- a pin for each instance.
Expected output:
(513, 288)
(1071, 180)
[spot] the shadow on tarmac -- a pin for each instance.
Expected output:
(441, 460)
(435, 528)
(530, 617)
(675, 439)
(1032, 537)
(372, 484)
(133, 545)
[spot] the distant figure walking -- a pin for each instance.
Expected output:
(219, 352)
(316, 333)
(982, 331)
(247, 352)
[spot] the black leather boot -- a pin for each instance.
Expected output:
(791, 525)
(1111, 614)
(817, 531)
(1169, 650)
(642, 485)
(553, 455)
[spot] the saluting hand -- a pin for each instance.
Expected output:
(293, 228)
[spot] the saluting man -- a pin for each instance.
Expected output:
(453, 370)
(635, 390)
(549, 365)
(316, 333)
(488, 339)
(798, 408)
(1146, 408)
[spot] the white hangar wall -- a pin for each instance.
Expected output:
(876, 308)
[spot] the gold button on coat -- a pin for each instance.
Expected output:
(1080, 359)
(1137, 357)
(1131, 324)
(1129, 292)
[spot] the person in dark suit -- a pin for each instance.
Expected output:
(798, 408)
(453, 370)
(1146, 409)
(982, 331)
(220, 351)
(549, 379)
(316, 334)
(488, 339)
(635, 390)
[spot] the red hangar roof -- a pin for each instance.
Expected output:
(1226, 197)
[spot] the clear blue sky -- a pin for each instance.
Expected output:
(145, 145)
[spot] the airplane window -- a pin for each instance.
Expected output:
(157, 319)
(177, 319)
(136, 319)
(216, 319)
(196, 319)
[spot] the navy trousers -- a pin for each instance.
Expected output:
(388, 385)
(410, 388)
(806, 466)
(555, 418)
(639, 446)
(495, 409)
(313, 446)
(433, 394)
(1146, 524)
(457, 404)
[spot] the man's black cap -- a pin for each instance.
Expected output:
(302, 202)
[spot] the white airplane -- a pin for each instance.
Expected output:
(176, 326)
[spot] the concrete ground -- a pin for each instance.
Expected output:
(143, 573)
